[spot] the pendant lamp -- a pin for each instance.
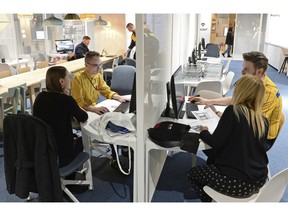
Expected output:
(25, 16)
(100, 22)
(72, 19)
(4, 21)
(52, 21)
(88, 17)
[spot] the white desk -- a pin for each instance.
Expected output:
(16, 62)
(156, 155)
(89, 134)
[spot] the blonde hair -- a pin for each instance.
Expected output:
(247, 99)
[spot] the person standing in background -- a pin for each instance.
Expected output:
(131, 28)
(82, 48)
(229, 41)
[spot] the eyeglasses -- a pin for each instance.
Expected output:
(96, 65)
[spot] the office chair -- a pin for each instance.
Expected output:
(5, 70)
(122, 79)
(207, 94)
(212, 50)
(215, 86)
(13, 103)
(23, 70)
(130, 61)
(31, 160)
(41, 64)
(272, 191)
(227, 66)
(109, 71)
(226, 83)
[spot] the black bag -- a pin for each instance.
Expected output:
(172, 134)
(168, 134)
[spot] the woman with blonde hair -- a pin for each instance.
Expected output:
(239, 164)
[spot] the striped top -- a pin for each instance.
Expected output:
(272, 107)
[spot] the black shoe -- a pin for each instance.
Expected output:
(229, 56)
(125, 152)
(223, 55)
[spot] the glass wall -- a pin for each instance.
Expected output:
(248, 34)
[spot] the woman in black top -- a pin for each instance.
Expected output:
(239, 167)
(57, 108)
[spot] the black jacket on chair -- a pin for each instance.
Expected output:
(30, 158)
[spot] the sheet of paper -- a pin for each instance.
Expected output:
(205, 117)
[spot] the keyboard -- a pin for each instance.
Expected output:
(123, 107)
(191, 107)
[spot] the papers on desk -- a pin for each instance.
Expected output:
(204, 117)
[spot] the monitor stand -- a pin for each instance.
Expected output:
(168, 112)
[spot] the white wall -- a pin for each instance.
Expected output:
(205, 27)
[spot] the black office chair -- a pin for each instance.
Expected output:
(31, 160)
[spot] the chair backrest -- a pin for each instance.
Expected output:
(115, 62)
(274, 189)
(226, 83)
(207, 94)
(61, 61)
(212, 50)
(28, 141)
(42, 64)
(130, 61)
(5, 73)
(227, 66)
(23, 70)
(122, 79)
(5, 70)
(215, 86)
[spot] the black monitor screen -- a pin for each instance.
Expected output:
(199, 51)
(132, 108)
(203, 43)
(177, 91)
(64, 46)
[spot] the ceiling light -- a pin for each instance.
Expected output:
(100, 22)
(88, 17)
(52, 21)
(72, 20)
(25, 16)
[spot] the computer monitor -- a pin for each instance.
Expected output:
(132, 108)
(64, 46)
(176, 91)
(194, 57)
(199, 51)
(203, 43)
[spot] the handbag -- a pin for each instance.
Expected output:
(172, 134)
(168, 134)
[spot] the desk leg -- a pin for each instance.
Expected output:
(32, 93)
(86, 145)
(194, 160)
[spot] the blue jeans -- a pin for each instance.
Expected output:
(227, 50)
